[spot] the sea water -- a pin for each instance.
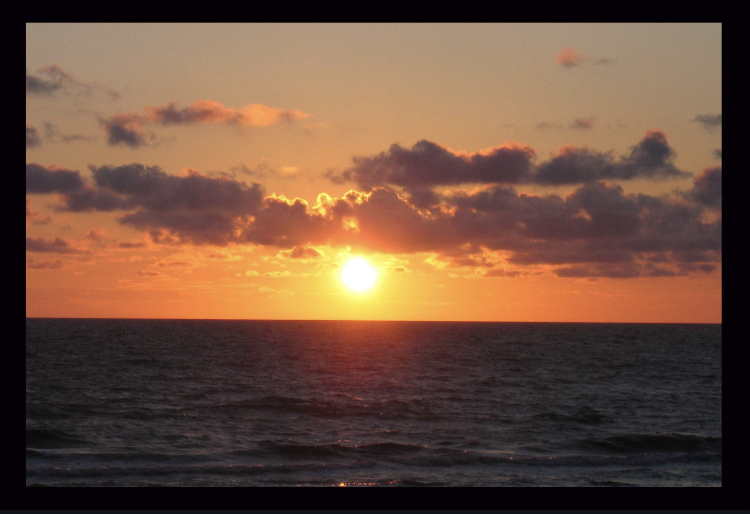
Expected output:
(370, 403)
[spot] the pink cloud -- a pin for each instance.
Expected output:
(569, 58)
(209, 111)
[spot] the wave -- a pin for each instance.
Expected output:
(643, 443)
(48, 438)
(411, 409)
(584, 415)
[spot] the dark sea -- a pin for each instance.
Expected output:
(371, 403)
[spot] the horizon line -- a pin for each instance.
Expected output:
(379, 320)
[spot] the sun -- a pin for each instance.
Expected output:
(358, 275)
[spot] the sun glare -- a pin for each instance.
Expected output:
(358, 274)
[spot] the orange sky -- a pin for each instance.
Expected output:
(488, 172)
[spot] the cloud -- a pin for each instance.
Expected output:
(569, 58)
(707, 188)
(35, 218)
(33, 264)
(261, 170)
(32, 137)
(43, 180)
(302, 252)
(209, 111)
(52, 133)
(427, 165)
(52, 79)
(128, 245)
(40, 86)
(44, 245)
(710, 122)
(129, 128)
(717, 154)
(196, 207)
(596, 230)
(264, 170)
(501, 273)
(627, 270)
(651, 158)
(582, 123)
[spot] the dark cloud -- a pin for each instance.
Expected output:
(194, 207)
(154, 189)
(40, 86)
(56, 245)
(597, 230)
(427, 164)
(32, 137)
(710, 122)
(88, 199)
(124, 129)
(717, 154)
(43, 180)
(52, 79)
(707, 187)
(651, 158)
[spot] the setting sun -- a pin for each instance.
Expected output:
(358, 274)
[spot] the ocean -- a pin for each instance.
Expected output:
(113, 402)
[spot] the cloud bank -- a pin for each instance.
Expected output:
(427, 165)
(596, 230)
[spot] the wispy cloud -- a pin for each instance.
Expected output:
(53, 133)
(710, 122)
(582, 123)
(209, 111)
(32, 137)
(129, 128)
(44, 245)
(569, 58)
(50, 80)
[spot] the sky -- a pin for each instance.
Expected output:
(487, 172)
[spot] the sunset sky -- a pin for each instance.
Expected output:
(488, 172)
